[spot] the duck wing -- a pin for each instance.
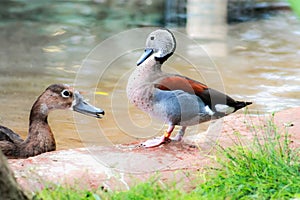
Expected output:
(7, 134)
(217, 101)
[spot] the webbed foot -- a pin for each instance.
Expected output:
(155, 142)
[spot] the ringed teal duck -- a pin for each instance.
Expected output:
(175, 99)
(40, 138)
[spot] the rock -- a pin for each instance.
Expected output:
(117, 167)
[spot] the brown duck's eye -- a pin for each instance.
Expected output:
(66, 93)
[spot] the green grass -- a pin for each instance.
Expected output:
(65, 193)
(266, 169)
(146, 191)
(295, 4)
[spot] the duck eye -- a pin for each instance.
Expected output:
(152, 38)
(65, 93)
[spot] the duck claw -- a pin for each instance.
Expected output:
(177, 138)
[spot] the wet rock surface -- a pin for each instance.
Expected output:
(117, 167)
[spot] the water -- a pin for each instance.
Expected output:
(44, 46)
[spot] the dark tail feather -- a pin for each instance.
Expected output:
(241, 104)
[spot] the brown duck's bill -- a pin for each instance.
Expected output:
(81, 106)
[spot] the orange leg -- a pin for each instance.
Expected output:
(168, 132)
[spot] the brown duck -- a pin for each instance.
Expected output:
(40, 137)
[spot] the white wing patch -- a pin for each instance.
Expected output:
(209, 111)
(224, 109)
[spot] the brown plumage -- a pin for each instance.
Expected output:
(40, 137)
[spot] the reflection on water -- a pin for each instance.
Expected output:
(45, 45)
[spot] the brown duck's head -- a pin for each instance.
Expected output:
(62, 96)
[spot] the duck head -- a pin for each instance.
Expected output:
(60, 96)
(161, 43)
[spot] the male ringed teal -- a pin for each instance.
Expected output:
(173, 98)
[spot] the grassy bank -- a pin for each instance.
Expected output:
(266, 169)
